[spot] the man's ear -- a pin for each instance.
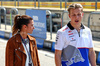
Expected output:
(82, 14)
(69, 15)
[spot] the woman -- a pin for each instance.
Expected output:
(21, 49)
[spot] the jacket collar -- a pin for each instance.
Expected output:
(21, 48)
(18, 38)
(72, 28)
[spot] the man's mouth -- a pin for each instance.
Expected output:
(76, 20)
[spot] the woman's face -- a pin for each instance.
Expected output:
(30, 27)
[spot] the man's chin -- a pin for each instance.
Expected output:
(78, 22)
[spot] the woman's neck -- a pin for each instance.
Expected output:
(23, 35)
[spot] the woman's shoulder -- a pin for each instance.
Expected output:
(13, 38)
(31, 37)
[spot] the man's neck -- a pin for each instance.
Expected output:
(77, 27)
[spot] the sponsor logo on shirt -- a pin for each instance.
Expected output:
(72, 39)
(69, 31)
(65, 29)
(71, 55)
(70, 34)
(57, 37)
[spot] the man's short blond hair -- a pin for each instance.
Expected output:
(75, 6)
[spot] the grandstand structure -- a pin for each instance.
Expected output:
(89, 4)
(54, 0)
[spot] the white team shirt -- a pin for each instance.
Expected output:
(67, 39)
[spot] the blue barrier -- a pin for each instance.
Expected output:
(39, 42)
(2, 34)
(53, 46)
(47, 44)
(98, 58)
(10, 35)
(6, 35)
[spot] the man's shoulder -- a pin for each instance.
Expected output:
(63, 29)
(87, 28)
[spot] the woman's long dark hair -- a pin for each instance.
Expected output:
(19, 21)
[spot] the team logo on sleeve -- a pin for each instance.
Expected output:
(57, 37)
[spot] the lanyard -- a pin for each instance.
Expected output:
(26, 48)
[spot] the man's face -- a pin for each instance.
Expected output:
(76, 16)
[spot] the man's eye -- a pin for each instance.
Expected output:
(79, 14)
(74, 15)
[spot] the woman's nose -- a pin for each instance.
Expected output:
(33, 27)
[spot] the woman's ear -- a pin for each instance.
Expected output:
(24, 26)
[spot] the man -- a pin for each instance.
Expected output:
(74, 41)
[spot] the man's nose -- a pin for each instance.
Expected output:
(76, 16)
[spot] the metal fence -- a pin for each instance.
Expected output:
(96, 31)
